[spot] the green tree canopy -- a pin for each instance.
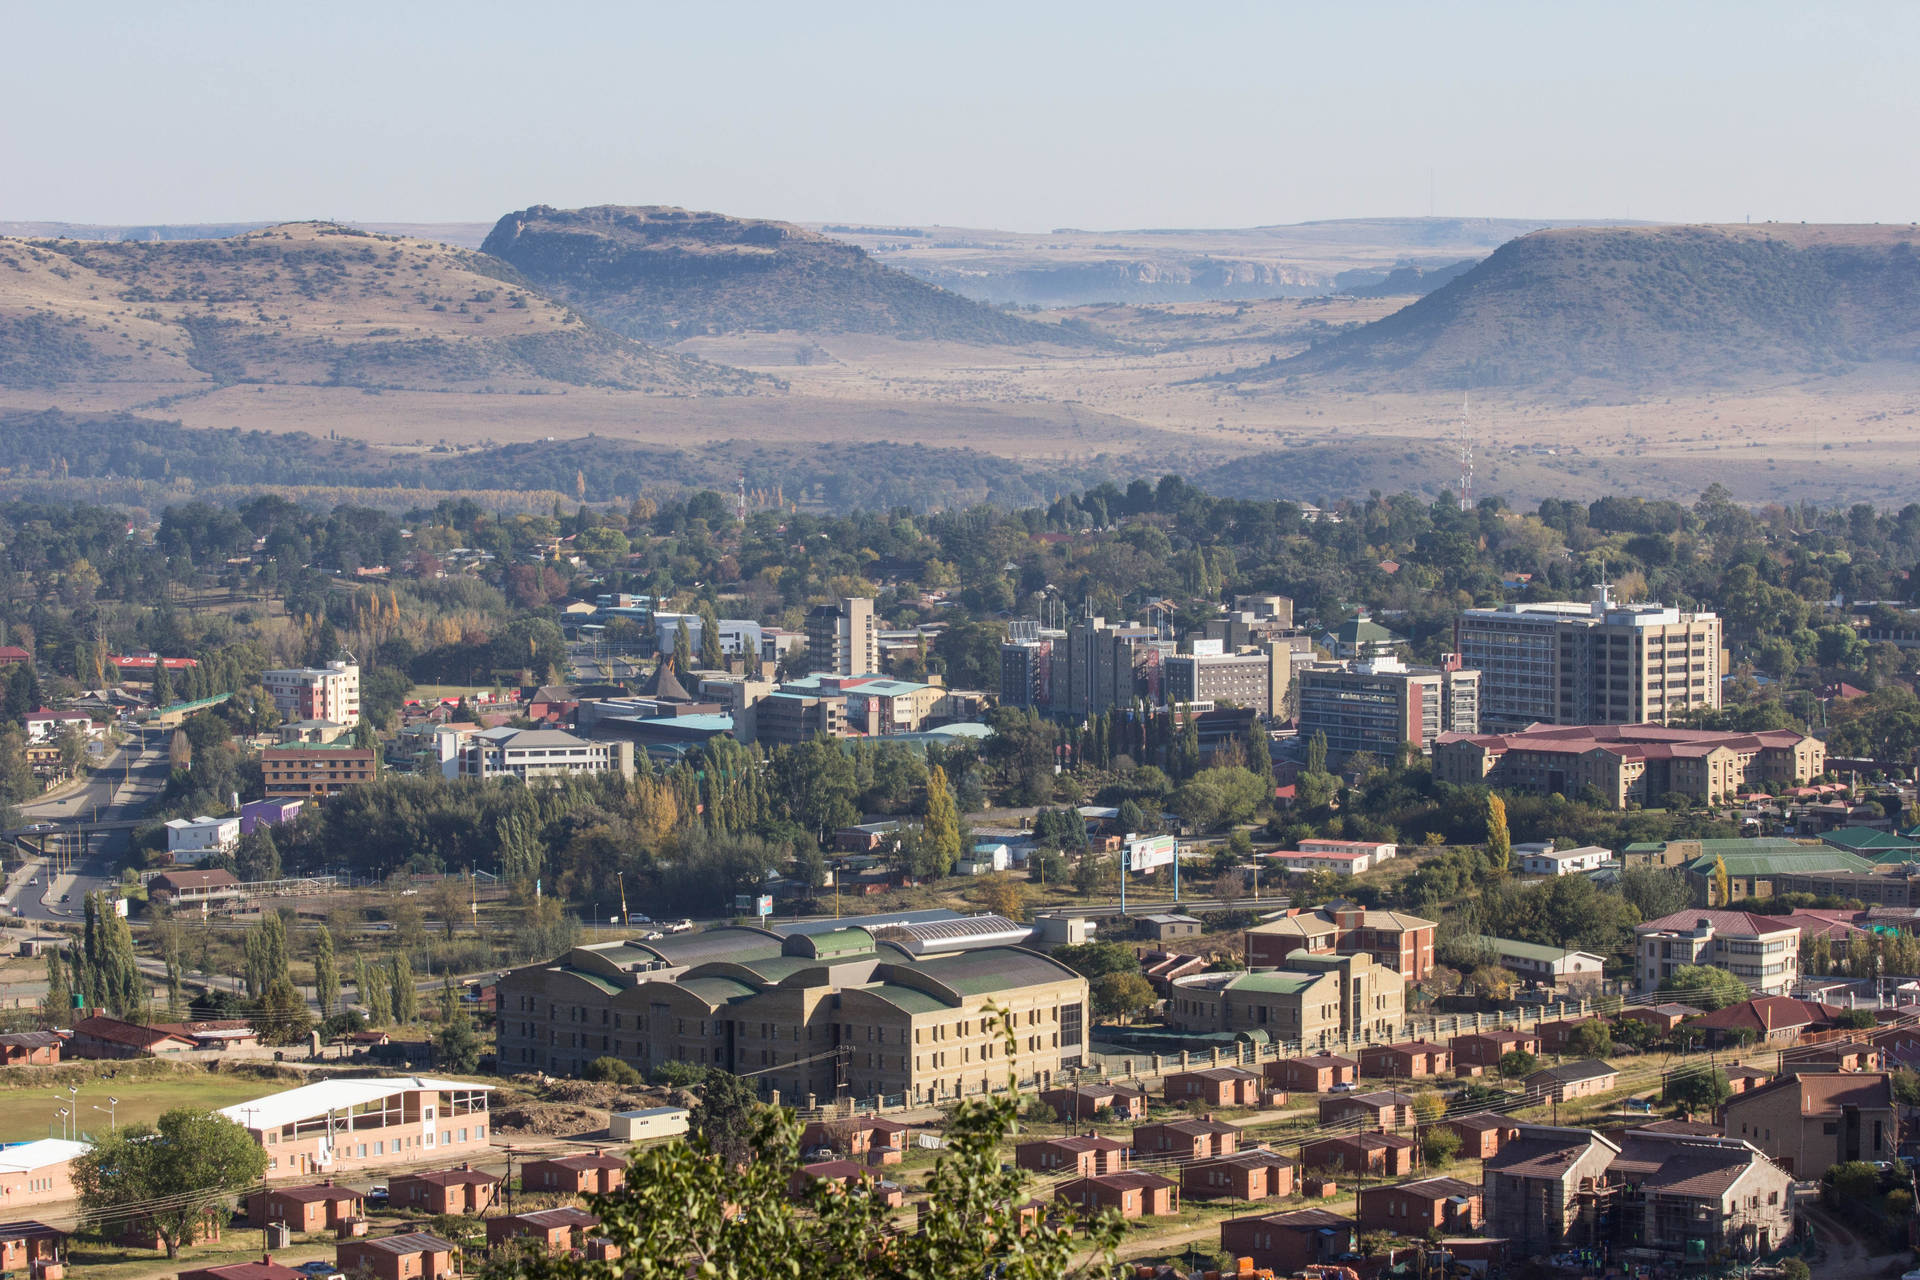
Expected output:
(188, 1162)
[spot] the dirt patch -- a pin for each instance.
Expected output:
(547, 1120)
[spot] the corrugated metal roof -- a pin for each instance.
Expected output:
(989, 969)
(311, 1100)
(906, 999)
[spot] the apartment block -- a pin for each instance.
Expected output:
(303, 770)
(1315, 1000)
(780, 1006)
(1379, 704)
(1762, 951)
(1596, 663)
(1629, 763)
(330, 693)
(843, 639)
(1395, 940)
(531, 754)
(1213, 676)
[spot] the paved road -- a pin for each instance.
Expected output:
(119, 791)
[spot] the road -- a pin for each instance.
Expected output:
(117, 793)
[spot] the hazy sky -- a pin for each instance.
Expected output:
(1025, 116)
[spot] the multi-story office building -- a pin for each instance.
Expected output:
(1210, 675)
(1106, 667)
(1316, 999)
(1570, 663)
(1378, 705)
(806, 1012)
(1395, 940)
(844, 639)
(1630, 764)
(1027, 665)
(784, 719)
(331, 692)
(529, 754)
(315, 769)
(1761, 951)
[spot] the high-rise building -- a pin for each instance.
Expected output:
(1595, 663)
(1375, 706)
(1027, 665)
(1210, 675)
(844, 639)
(331, 692)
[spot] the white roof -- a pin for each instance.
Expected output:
(644, 1112)
(29, 1156)
(311, 1100)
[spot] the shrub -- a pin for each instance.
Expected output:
(611, 1070)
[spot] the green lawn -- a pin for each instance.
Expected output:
(28, 1111)
(100, 1261)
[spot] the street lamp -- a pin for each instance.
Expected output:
(62, 1113)
(112, 1119)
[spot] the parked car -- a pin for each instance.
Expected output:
(639, 917)
(1345, 1086)
(680, 926)
(814, 1154)
(319, 1270)
(377, 1193)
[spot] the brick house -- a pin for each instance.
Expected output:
(1662, 1017)
(580, 1175)
(1395, 940)
(1481, 1135)
(413, 1256)
(29, 1049)
(1386, 1109)
(1446, 1205)
(39, 1172)
(1742, 1078)
(1553, 1035)
(1134, 1195)
(1086, 1154)
(465, 1190)
(321, 1206)
(1811, 1121)
(858, 1138)
(24, 1243)
(1409, 1060)
(1084, 1101)
(1379, 1155)
(1572, 1080)
(1215, 1086)
(1315, 1073)
(845, 1173)
(1287, 1243)
(1533, 1190)
(265, 1269)
(1258, 1174)
(553, 1229)
(1186, 1139)
(1484, 1049)
(103, 1037)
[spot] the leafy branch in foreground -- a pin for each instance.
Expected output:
(688, 1210)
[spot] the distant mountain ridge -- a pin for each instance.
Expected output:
(657, 274)
(1639, 308)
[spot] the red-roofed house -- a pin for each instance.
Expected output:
(103, 1037)
(580, 1175)
(1085, 1154)
(1767, 1020)
(1762, 951)
(1134, 1195)
(11, 654)
(265, 1269)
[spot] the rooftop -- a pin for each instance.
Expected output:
(309, 1100)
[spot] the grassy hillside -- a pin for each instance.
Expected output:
(1594, 310)
(307, 305)
(658, 273)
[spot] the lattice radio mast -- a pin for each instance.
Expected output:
(1466, 451)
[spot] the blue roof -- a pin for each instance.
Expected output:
(717, 723)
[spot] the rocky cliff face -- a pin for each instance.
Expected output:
(660, 273)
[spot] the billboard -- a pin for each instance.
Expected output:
(752, 904)
(1148, 853)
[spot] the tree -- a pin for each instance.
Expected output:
(1216, 797)
(1429, 1106)
(266, 954)
(280, 1016)
(1517, 1064)
(406, 1000)
(455, 1044)
(1092, 959)
(941, 827)
(723, 1118)
(258, 856)
(57, 1008)
(179, 751)
(326, 973)
(1698, 1089)
(1593, 1039)
(1705, 987)
(682, 653)
(370, 981)
(1438, 1146)
(1004, 896)
(1122, 995)
(187, 1163)
(611, 1070)
(1655, 891)
(1499, 839)
(710, 655)
(1722, 887)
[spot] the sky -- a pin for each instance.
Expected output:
(1016, 116)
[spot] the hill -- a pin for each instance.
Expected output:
(308, 304)
(659, 274)
(1617, 310)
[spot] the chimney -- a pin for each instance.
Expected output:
(266, 1259)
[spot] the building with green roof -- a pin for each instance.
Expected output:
(874, 1008)
(1319, 997)
(1753, 866)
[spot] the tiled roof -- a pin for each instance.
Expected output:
(1769, 1013)
(315, 1194)
(564, 1216)
(412, 1242)
(1738, 924)
(1437, 1188)
(1826, 1093)
(1573, 1072)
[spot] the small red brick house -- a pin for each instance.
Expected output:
(860, 1137)
(580, 1175)
(265, 1269)
(1258, 1174)
(1447, 1205)
(320, 1207)
(1482, 1134)
(1085, 1101)
(1484, 1049)
(103, 1037)
(1742, 1078)
(1186, 1139)
(1087, 1155)
(24, 1243)
(553, 1229)
(1386, 1109)
(1383, 1155)
(1316, 1073)
(465, 1190)
(1409, 1060)
(1215, 1086)
(29, 1049)
(1287, 1243)
(1662, 1017)
(1553, 1035)
(1135, 1195)
(414, 1256)
(846, 1173)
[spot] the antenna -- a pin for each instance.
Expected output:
(1466, 451)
